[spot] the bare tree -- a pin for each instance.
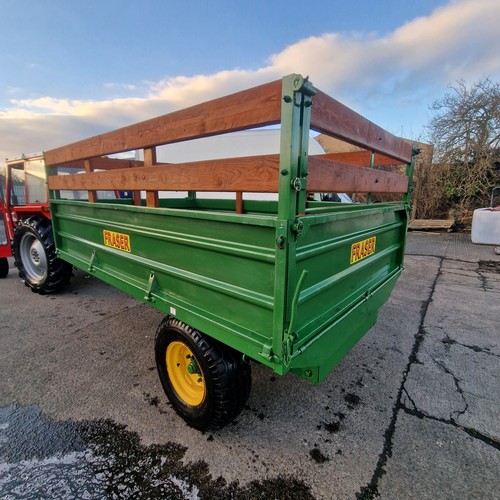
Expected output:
(466, 135)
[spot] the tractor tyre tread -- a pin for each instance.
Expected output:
(59, 272)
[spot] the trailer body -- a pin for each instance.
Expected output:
(292, 283)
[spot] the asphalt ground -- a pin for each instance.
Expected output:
(411, 412)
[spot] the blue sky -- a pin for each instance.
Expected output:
(71, 69)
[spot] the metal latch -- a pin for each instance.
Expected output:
(298, 226)
(290, 336)
(150, 288)
(299, 183)
(267, 353)
(93, 260)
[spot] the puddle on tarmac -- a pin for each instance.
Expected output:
(44, 458)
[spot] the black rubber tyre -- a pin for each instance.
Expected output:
(225, 378)
(4, 267)
(35, 256)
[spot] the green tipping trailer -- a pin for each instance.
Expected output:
(291, 283)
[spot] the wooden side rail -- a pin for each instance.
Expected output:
(333, 118)
(251, 174)
(105, 163)
(328, 176)
(357, 158)
(361, 158)
(255, 107)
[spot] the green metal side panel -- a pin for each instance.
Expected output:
(213, 271)
(339, 300)
(217, 272)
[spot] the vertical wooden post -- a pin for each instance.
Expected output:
(136, 197)
(90, 168)
(150, 161)
(239, 202)
(372, 164)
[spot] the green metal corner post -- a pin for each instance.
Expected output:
(295, 123)
(410, 167)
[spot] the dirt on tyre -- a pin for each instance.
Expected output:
(206, 382)
(35, 256)
(4, 267)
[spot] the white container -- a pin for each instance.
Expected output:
(486, 226)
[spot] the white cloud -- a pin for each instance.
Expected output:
(391, 77)
(124, 86)
(457, 41)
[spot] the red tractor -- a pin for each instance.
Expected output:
(26, 228)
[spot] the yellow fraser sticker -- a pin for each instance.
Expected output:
(363, 249)
(117, 240)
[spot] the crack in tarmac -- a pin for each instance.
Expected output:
(484, 282)
(370, 491)
(448, 341)
(490, 267)
(456, 381)
(470, 431)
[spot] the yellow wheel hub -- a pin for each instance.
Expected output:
(185, 374)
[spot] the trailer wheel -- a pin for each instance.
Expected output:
(206, 382)
(4, 267)
(35, 256)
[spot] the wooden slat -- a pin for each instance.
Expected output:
(360, 158)
(252, 174)
(328, 176)
(331, 117)
(105, 163)
(254, 107)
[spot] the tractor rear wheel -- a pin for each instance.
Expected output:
(4, 267)
(206, 382)
(35, 256)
